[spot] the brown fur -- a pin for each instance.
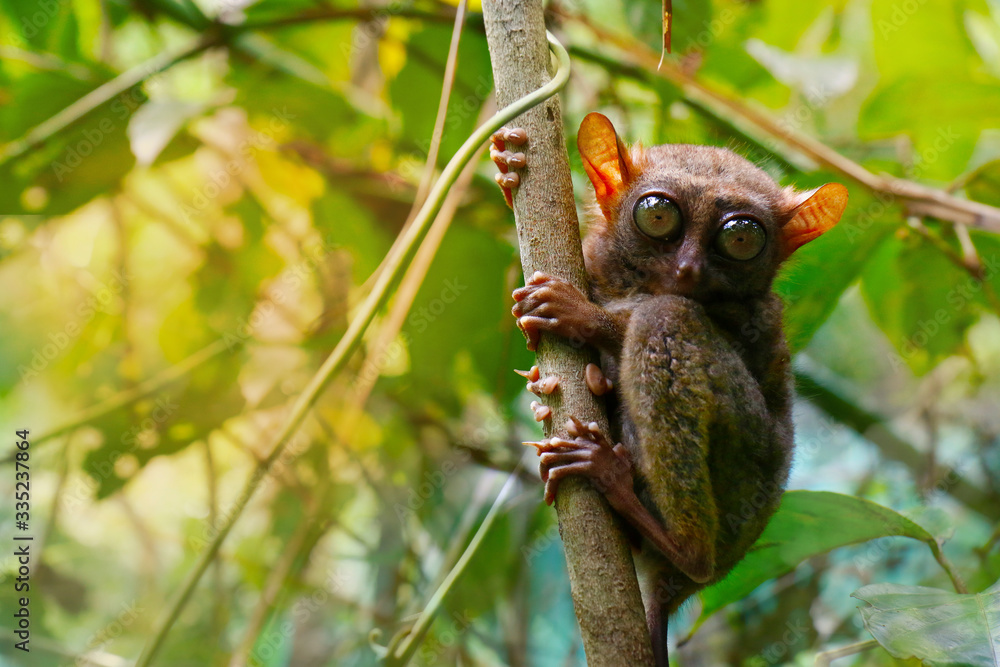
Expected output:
(692, 340)
(703, 400)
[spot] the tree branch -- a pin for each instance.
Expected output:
(602, 576)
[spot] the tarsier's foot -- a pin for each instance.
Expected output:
(591, 454)
(507, 159)
(596, 381)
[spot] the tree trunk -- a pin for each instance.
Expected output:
(602, 576)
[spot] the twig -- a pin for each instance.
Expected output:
(52, 522)
(969, 261)
(983, 552)
(956, 580)
(242, 656)
(826, 657)
(211, 481)
(451, 66)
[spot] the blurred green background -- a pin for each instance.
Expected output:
(196, 195)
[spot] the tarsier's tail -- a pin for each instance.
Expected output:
(657, 619)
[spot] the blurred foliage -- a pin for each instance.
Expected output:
(183, 254)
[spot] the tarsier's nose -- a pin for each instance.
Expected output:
(688, 273)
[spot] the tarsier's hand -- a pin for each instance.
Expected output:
(507, 159)
(551, 304)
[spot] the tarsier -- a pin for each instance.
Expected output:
(681, 252)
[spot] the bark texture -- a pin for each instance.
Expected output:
(602, 575)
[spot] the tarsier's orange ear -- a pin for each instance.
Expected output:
(605, 159)
(816, 212)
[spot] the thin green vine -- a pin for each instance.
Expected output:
(404, 646)
(396, 261)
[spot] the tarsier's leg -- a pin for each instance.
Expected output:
(588, 453)
(667, 384)
(506, 159)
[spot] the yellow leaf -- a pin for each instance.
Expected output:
(473, 6)
(296, 181)
(392, 49)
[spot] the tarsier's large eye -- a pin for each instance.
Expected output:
(741, 239)
(655, 215)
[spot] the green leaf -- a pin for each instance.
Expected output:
(918, 297)
(416, 90)
(988, 249)
(165, 424)
(280, 102)
(812, 282)
(926, 38)
(944, 129)
(808, 523)
(939, 627)
(464, 284)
